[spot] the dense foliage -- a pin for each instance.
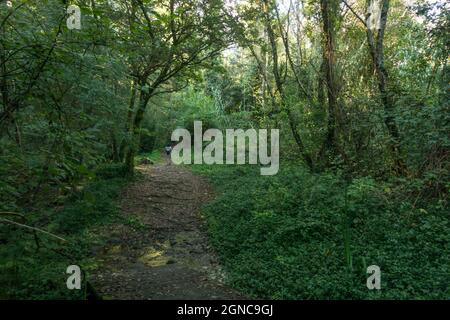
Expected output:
(299, 235)
(363, 115)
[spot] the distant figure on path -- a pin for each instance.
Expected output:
(168, 149)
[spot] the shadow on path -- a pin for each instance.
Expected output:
(164, 254)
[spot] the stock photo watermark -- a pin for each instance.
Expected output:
(74, 19)
(73, 22)
(74, 280)
(235, 146)
(374, 280)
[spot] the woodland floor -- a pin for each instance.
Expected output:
(164, 254)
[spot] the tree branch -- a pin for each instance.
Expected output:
(355, 13)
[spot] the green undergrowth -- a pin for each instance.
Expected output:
(153, 157)
(298, 235)
(35, 268)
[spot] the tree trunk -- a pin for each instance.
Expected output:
(129, 123)
(377, 54)
(136, 125)
(280, 89)
(329, 60)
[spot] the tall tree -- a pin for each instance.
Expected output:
(164, 40)
(375, 39)
(329, 12)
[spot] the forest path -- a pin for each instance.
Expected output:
(164, 254)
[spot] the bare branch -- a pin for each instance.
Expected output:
(32, 228)
(355, 13)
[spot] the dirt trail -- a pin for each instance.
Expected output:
(165, 255)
